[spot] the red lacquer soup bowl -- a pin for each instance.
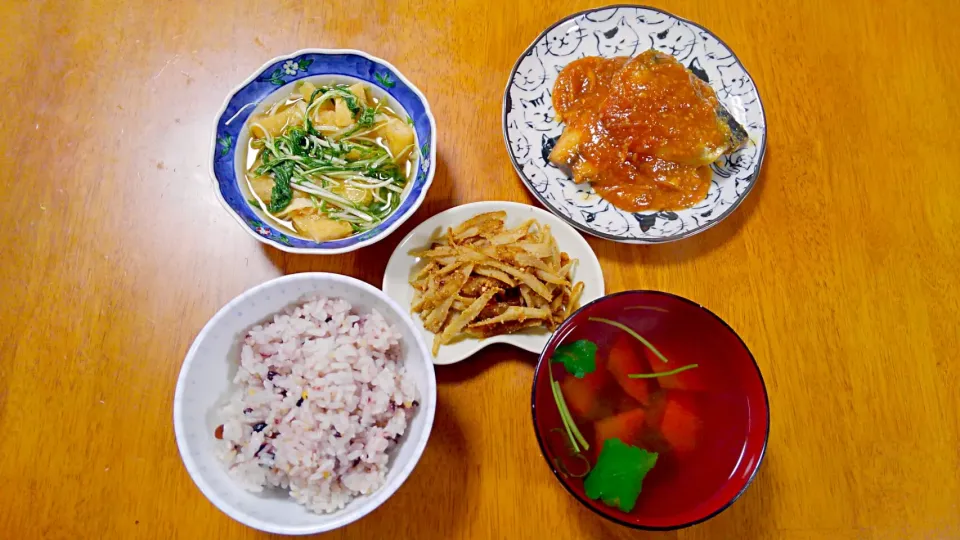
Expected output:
(707, 424)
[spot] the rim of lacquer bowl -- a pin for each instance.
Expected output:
(558, 336)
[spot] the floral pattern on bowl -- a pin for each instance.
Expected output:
(270, 80)
(530, 129)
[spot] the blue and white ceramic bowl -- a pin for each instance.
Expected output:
(275, 81)
(530, 129)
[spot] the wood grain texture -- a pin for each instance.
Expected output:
(840, 271)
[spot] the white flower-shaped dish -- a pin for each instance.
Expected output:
(531, 131)
(403, 266)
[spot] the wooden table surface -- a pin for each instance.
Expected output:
(840, 271)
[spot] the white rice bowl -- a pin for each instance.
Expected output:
(366, 391)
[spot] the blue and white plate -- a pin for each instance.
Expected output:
(274, 81)
(530, 129)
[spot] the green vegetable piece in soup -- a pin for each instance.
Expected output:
(296, 138)
(367, 117)
(617, 478)
(630, 331)
(282, 193)
(578, 358)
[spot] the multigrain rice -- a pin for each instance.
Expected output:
(321, 398)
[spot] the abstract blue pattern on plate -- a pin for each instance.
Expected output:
(273, 76)
(530, 129)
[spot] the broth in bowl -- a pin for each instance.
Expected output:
(329, 160)
(650, 410)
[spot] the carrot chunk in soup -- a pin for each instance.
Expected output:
(681, 421)
(629, 427)
(627, 357)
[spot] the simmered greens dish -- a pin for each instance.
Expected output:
(329, 161)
